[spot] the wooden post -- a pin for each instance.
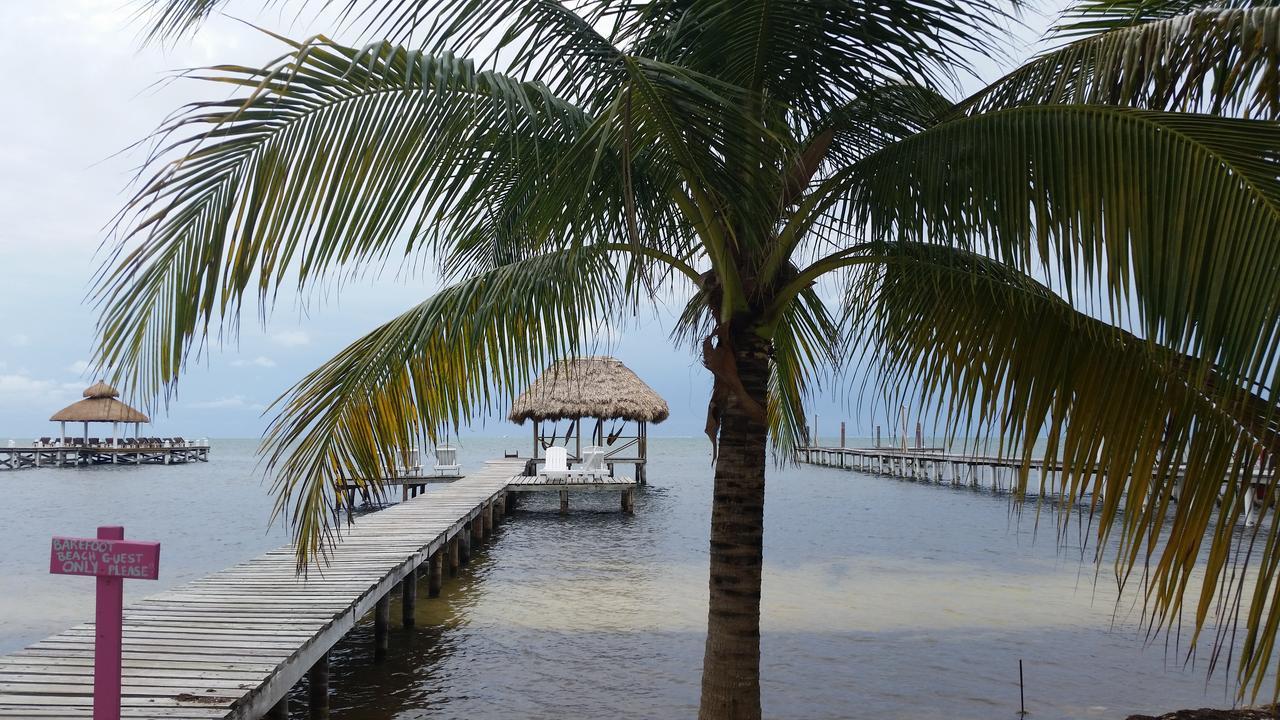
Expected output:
(628, 501)
(409, 598)
(435, 573)
(510, 501)
(318, 689)
(477, 528)
(487, 523)
(564, 502)
(842, 434)
(455, 555)
(877, 436)
(279, 711)
(536, 440)
(381, 623)
(464, 545)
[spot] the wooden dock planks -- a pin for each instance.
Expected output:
(232, 644)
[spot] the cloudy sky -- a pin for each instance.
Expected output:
(81, 89)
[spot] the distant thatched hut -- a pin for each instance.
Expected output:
(596, 388)
(100, 405)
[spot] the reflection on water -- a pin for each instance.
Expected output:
(882, 598)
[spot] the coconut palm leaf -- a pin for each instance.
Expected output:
(471, 347)
(1084, 193)
(1000, 350)
(341, 157)
(1215, 60)
(1094, 16)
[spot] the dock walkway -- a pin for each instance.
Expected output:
(234, 643)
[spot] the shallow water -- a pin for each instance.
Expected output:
(882, 598)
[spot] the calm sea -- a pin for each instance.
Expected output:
(882, 598)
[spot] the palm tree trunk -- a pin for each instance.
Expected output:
(731, 665)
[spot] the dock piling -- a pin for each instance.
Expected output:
(435, 573)
(318, 689)
(464, 544)
(455, 555)
(409, 598)
(564, 502)
(280, 711)
(381, 623)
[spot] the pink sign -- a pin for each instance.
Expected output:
(105, 558)
(111, 559)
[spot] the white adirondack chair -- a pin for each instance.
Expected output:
(557, 466)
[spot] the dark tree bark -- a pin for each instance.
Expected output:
(731, 665)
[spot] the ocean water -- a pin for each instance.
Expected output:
(882, 598)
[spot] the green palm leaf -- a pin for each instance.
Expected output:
(1221, 61)
(469, 348)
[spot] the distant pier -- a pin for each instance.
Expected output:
(139, 451)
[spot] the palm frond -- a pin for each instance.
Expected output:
(1122, 208)
(468, 349)
(805, 346)
(337, 157)
(1133, 423)
(1215, 60)
(814, 57)
(1094, 16)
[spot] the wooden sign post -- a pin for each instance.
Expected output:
(111, 559)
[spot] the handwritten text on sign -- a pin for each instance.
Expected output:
(105, 558)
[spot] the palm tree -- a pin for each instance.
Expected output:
(1085, 252)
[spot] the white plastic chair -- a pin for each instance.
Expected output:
(593, 459)
(447, 460)
(557, 466)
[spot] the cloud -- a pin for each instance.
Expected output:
(261, 361)
(19, 340)
(21, 387)
(78, 367)
(291, 338)
(227, 402)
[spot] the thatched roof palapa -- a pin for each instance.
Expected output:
(599, 387)
(100, 405)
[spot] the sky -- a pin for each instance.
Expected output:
(83, 89)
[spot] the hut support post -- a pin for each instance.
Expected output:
(577, 453)
(537, 438)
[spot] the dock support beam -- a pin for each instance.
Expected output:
(381, 621)
(409, 598)
(464, 544)
(628, 501)
(477, 528)
(487, 514)
(318, 689)
(564, 502)
(435, 573)
(455, 555)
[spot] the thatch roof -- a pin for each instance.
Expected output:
(599, 387)
(101, 390)
(100, 405)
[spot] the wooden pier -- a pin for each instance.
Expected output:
(233, 644)
(140, 453)
(932, 464)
